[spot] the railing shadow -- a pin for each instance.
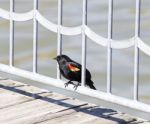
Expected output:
(95, 111)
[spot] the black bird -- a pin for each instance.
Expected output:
(71, 70)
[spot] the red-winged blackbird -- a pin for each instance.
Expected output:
(71, 70)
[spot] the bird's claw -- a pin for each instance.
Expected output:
(76, 86)
(69, 82)
(66, 84)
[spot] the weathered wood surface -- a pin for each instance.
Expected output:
(24, 104)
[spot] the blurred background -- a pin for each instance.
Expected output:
(123, 28)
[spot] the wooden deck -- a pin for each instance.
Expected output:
(24, 104)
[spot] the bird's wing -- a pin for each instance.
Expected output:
(73, 67)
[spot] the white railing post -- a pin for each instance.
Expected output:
(35, 37)
(11, 37)
(109, 49)
(136, 50)
(59, 35)
(84, 42)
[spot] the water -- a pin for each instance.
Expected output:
(123, 28)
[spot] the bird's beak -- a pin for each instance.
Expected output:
(55, 58)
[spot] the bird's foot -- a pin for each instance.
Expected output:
(69, 82)
(76, 86)
(66, 84)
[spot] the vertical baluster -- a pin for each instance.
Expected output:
(84, 42)
(11, 37)
(59, 35)
(35, 37)
(136, 50)
(109, 49)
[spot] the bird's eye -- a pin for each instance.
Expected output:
(58, 58)
(63, 62)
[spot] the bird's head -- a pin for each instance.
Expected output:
(62, 58)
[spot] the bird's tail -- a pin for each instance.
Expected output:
(90, 83)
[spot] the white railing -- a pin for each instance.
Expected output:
(83, 29)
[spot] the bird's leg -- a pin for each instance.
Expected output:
(69, 82)
(76, 85)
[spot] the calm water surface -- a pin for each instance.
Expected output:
(123, 28)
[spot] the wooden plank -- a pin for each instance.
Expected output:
(12, 93)
(122, 116)
(140, 122)
(8, 98)
(102, 121)
(43, 115)
(17, 85)
(24, 104)
(10, 83)
(95, 115)
(81, 116)
(21, 88)
(50, 104)
(145, 122)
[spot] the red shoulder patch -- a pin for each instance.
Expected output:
(73, 68)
